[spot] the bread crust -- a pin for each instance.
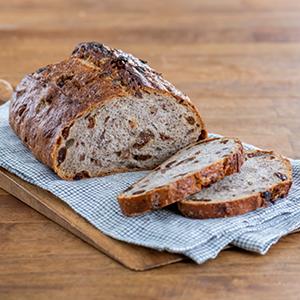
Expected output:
(185, 186)
(48, 102)
(202, 210)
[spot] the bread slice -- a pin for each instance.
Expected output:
(264, 177)
(102, 111)
(184, 174)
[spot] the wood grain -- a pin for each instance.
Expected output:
(131, 256)
(238, 60)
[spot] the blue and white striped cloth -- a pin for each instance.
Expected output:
(164, 229)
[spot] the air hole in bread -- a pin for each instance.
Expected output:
(70, 143)
(202, 136)
(138, 192)
(65, 132)
(142, 157)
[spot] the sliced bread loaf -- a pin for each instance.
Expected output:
(102, 111)
(264, 177)
(184, 174)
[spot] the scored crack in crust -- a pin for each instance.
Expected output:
(264, 178)
(87, 99)
(195, 167)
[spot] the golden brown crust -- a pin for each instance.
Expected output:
(239, 206)
(47, 102)
(185, 186)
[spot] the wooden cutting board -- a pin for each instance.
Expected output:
(131, 256)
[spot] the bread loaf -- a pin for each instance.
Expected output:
(187, 172)
(264, 177)
(102, 111)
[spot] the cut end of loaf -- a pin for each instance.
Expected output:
(126, 134)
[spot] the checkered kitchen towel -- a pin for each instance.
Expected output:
(164, 229)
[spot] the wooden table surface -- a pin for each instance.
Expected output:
(238, 60)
